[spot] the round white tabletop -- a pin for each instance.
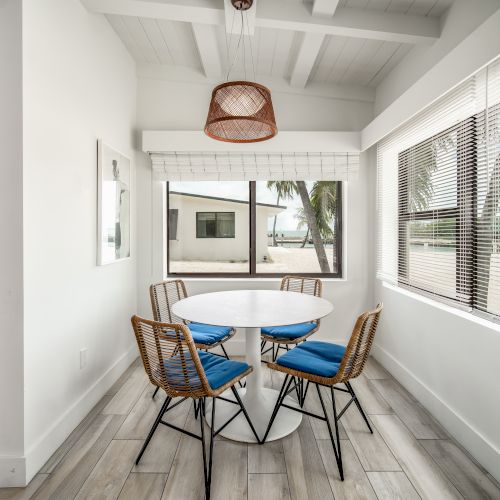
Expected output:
(253, 309)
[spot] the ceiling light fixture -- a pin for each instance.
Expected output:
(241, 111)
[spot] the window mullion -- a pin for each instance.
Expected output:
(253, 228)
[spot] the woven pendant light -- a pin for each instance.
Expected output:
(241, 111)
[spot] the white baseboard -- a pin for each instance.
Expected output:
(470, 438)
(41, 450)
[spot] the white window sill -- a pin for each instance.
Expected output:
(493, 323)
(249, 280)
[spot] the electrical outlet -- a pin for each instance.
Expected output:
(83, 358)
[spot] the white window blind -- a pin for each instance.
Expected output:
(437, 204)
(205, 166)
(487, 232)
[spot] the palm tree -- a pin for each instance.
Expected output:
(324, 202)
(318, 211)
(311, 217)
(421, 195)
(301, 224)
(285, 190)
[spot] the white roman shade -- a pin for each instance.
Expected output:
(248, 166)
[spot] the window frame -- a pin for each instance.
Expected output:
(464, 214)
(216, 237)
(252, 265)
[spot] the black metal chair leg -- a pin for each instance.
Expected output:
(196, 409)
(242, 406)
(212, 427)
(224, 351)
(154, 393)
(339, 462)
(227, 357)
(358, 404)
(153, 429)
(297, 389)
(203, 450)
(336, 445)
(304, 394)
(281, 396)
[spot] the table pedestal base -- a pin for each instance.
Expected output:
(259, 408)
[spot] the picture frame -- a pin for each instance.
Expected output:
(113, 205)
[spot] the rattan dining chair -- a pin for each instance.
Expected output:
(327, 364)
(281, 337)
(173, 363)
(164, 295)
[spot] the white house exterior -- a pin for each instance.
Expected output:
(187, 242)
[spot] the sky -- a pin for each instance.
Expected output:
(239, 191)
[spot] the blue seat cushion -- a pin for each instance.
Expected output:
(208, 334)
(315, 357)
(289, 331)
(220, 370)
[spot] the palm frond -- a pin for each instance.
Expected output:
(324, 203)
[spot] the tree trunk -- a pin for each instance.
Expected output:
(313, 227)
(305, 239)
(274, 223)
(485, 233)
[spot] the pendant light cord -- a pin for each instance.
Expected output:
(244, 23)
(228, 45)
(244, 48)
(235, 55)
(251, 49)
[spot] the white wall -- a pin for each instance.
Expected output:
(449, 361)
(11, 227)
(79, 85)
(463, 17)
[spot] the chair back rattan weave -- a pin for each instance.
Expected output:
(170, 358)
(359, 346)
(300, 284)
(163, 296)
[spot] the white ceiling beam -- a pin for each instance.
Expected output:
(325, 7)
(233, 19)
(286, 15)
(306, 57)
(350, 22)
(157, 141)
(206, 40)
(190, 11)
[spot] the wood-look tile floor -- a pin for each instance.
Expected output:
(409, 456)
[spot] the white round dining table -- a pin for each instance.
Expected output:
(252, 310)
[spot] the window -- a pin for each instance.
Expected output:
(438, 198)
(215, 224)
(436, 191)
(449, 214)
(257, 228)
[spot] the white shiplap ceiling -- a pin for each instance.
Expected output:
(359, 44)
